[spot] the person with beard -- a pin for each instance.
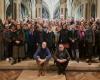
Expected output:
(50, 39)
(1, 41)
(42, 57)
(64, 36)
(7, 41)
(57, 35)
(81, 33)
(89, 42)
(74, 39)
(32, 43)
(62, 58)
(18, 44)
(40, 35)
(26, 32)
(97, 39)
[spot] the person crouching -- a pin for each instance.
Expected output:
(62, 58)
(42, 56)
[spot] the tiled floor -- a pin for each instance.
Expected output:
(9, 74)
(32, 75)
(31, 64)
(27, 70)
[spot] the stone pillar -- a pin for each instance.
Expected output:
(38, 8)
(69, 8)
(33, 9)
(29, 7)
(84, 11)
(17, 8)
(98, 8)
(88, 11)
(2, 9)
(63, 7)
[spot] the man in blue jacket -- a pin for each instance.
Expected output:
(42, 56)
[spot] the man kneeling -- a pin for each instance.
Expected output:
(42, 56)
(62, 58)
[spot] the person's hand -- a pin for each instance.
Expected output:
(73, 41)
(41, 60)
(61, 61)
(17, 42)
(58, 60)
(64, 60)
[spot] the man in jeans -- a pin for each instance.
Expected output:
(42, 56)
(74, 37)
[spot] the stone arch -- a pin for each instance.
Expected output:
(24, 11)
(79, 11)
(51, 6)
(79, 7)
(8, 9)
(45, 11)
(25, 8)
(56, 12)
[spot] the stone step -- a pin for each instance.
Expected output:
(52, 75)
(32, 75)
(31, 65)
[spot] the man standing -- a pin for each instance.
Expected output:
(97, 40)
(74, 41)
(89, 42)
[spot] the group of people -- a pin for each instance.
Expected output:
(21, 39)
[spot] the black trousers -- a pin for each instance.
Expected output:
(82, 50)
(98, 51)
(31, 50)
(61, 67)
(8, 50)
(89, 50)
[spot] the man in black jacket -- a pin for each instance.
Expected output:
(74, 41)
(62, 58)
(97, 40)
(89, 42)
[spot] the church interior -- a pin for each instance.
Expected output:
(20, 10)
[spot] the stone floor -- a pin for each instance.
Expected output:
(31, 65)
(27, 70)
(9, 74)
(32, 75)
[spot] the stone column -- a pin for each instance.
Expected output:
(38, 8)
(98, 8)
(33, 9)
(63, 8)
(88, 11)
(84, 11)
(2, 9)
(17, 8)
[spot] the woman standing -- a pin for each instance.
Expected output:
(18, 44)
